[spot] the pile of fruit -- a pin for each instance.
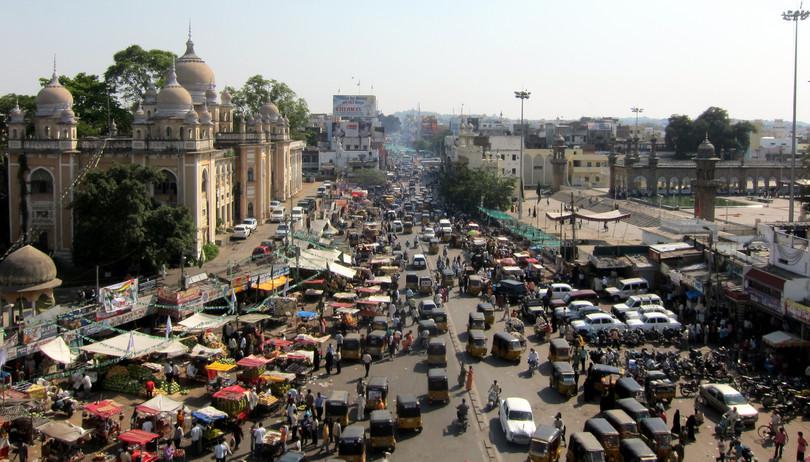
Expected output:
(170, 388)
(127, 379)
(231, 407)
(212, 433)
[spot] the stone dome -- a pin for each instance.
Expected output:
(269, 109)
(706, 149)
(53, 97)
(205, 116)
(191, 116)
(173, 100)
(68, 116)
(150, 97)
(139, 115)
(16, 114)
(193, 73)
(226, 97)
(559, 140)
(28, 269)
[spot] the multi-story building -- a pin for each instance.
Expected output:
(185, 131)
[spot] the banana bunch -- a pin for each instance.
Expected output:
(231, 407)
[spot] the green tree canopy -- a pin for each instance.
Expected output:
(118, 225)
(684, 135)
(91, 99)
(28, 105)
(257, 90)
(368, 177)
(466, 189)
(132, 70)
(390, 123)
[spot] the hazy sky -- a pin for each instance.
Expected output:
(590, 57)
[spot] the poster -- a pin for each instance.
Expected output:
(119, 297)
(354, 106)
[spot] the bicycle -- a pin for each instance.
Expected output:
(766, 434)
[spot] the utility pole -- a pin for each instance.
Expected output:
(637, 110)
(795, 16)
(521, 95)
(573, 222)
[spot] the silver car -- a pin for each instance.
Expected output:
(597, 322)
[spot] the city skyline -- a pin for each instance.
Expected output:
(592, 59)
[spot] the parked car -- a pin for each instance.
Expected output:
(427, 234)
(558, 291)
(596, 322)
(570, 311)
(634, 302)
(627, 287)
(419, 261)
(723, 397)
(275, 204)
(277, 215)
(397, 226)
(282, 230)
(240, 232)
(653, 321)
(517, 420)
(297, 214)
(261, 252)
(649, 309)
(251, 224)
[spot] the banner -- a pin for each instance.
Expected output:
(119, 297)
(354, 106)
(798, 311)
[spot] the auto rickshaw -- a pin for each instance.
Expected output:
(474, 285)
(425, 285)
(633, 408)
(412, 281)
(655, 432)
(658, 387)
(448, 278)
(627, 387)
(337, 406)
(440, 316)
(375, 343)
(380, 323)
(627, 427)
(352, 444)
(409, 413)
(559, 350)
(377, 393)
(351, 347)
(562, 378)
(605, 434)
(489, 313)
(476, 343)
(428, 325)
(506, 346)
(407, 227)
(584, 447)
(433, 246)
(437, 352)
(545, 445)
(438, 387)
(635, 450)
(381, 430)
(475, 321)
(604, 377)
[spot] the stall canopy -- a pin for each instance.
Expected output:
(252, 361)
(782, 339)
(135, 345)
(232, 393)
(202, 321)
(62, 431)
(253, 318)
(137, 437)
(58, 350)
(613, 215)
(209, 414)
(159, 404)
(200, 351)
(104, 409)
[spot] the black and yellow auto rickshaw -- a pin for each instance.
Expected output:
(412, 281)
(381, 430)
(546, 444)
(352, 444)
(407, 226)
(559, 350)
(433, 246)
(605, 434)
(627, 387)
(380, 323)
(440, 317)
(488, 311)
(507, 346)
(562, 378)
(476, 343)
(658, 387)
(438, 387)
(428, 325)
(377, 393)
(636, 450)
(475, 321)
(604, 377)
(437, 352)
(351, 348)
(475, 284)
(655, 432)
(584, 447)
(633, 408)
(448, 278)
(337, 406)
(621, 421)
(409, 413)
(425, 285)
(375, 343)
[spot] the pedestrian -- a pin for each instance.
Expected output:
(326, 435)
(328, 360)
(238, 435)
(691, 424)
(676, 423)
(196, 439)
(801, 446)
(361, 407)
(339, 341)
(336, 431)
(178, 435)
(779, 441)
(469, 383)
(221, 451)
(23, 451)
(576, 379)
(316, 359)
(337, 361)
(150, 389)
(366, 362)
(583, 357)
(319, 401)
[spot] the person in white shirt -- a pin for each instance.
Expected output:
(191, 371)
(258, 436)
(221, 451)
(196, 438)
(147, 426)
(87, 384)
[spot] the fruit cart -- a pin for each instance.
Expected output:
(102, 418)
(162, 412)
(280, 383)
(211, 418)
(142, 445)
(232, 401)
(220, 373)
(62, 441)
(127, 379)
(252, 368)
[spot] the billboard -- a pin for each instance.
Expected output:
(119, 297)
(354, 105)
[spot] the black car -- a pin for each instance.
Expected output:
(531, 308)
(513, 289)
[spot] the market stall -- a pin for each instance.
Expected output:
(162, 412)
(211, 418)
(252, 368)
(102, 418)
(221, 373)
(142, 445)
(232, 401)
(62, 441)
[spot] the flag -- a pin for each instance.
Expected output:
(131, 344)
(168, 326)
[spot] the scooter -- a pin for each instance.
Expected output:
(463, 422)
(65, 405)
(494, 397)
(532, 367)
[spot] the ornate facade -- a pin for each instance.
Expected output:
(184, 130)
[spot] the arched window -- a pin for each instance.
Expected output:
(41, 183)
(168, 132)
(191, 133)
(166, 189)
(48, 132)
(137, 134)
(250, 210)
(250, 176)
(204, 184)
(148, 114)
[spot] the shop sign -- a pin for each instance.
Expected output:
(798, 311)
(766, 301)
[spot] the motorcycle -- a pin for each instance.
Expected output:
(689, 389)
(65, 405)
(532, 367)
(494, 397)
(463, 422)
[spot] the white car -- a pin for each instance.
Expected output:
(597, 322)
(558, 291)
(297, 214)
(275, 204)
(428, 233)
(517, 420)
(397, 226)
(723, 397)
(240, 232)
(277, 215)
(419, 261)
(649, 309)
(653, 321)
(427, 307)
(282, 231)
(251, 224)
(634, 302)
(572, 310)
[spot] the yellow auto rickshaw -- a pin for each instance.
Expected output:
(337, 406)
(425, 285)
(546, 444)
(352, 444)
(506, 346)
(476, 343)
(351, 347)
(562, 378)
(437, 352)
(607, 435)
(475, 321)
(412, 281)
(407, 226)
(474, 285)
(440, 316)
(375, 343)
(559, 350)
(381, 430)
(448, 278)
(433, 246)
(584, 447)
(409, 413)
(377, 393)
(380, 323)
(489, 313)
(438, 387)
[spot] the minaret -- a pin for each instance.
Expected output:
(705, 186)
(558, 163)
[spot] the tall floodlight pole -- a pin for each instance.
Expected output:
(637, 110)
(522, 95)
(795, 16)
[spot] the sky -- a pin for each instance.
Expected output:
(584, 58)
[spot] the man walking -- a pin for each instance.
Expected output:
(801, 446)
(366, 362)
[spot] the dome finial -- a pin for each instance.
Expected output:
(189, 42)
(54, 77)
(189, 29)
(171, 79)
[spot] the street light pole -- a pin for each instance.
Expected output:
(637, 110)
(522, 95)
(795, 16)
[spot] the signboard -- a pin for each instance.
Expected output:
(241, 283)
(354, 105)
(798, 311)
(119, 297)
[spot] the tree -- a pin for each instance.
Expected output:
(28, 104)
(466, 189)
(368, 177)
(390, 123)
(118, 225)
(257, 90)
(134, 68)
(92, 98)
(684, 135)
(679, 135)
